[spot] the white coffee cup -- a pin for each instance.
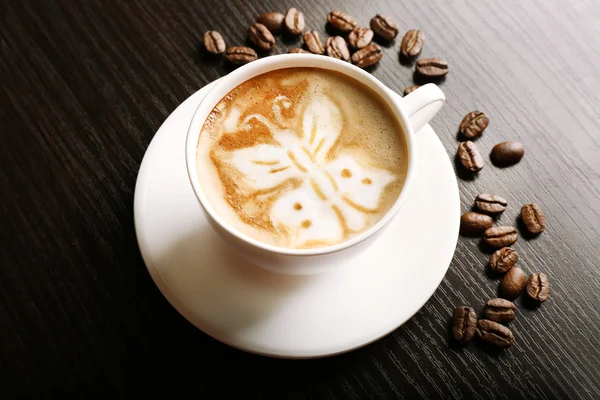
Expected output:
(412, 112)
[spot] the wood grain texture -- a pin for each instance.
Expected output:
(85, 85)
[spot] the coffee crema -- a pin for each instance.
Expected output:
(301, 158)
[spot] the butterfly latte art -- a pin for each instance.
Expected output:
(301, 158)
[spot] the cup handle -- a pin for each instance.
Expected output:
(422, 105)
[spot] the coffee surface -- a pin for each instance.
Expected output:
(301, 158)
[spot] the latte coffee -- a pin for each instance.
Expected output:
(302, 158)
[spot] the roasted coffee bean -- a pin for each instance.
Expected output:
(473, 124)
(360, 37)
(412, 43)
(533, 218)
(411, 89)
(240, 55)
(337, 48)
(469, 156)
(384, 26)
(503, 259)
(313, 42)
(538, 287)
(507, 153)
(500, 310)
(367, 56)
(214, 43)
(464, 323)
(294, 21)
(495, 334)
(500, 236)
(432, 67)
(298, 50)
(272, 20)
(341, 21)
(261, 37)
(474, 224)
(490, 203)
(512, 284)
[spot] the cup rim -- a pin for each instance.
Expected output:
(272, 63)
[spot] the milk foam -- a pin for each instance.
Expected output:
(294, 167)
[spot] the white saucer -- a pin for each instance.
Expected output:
(291, 316)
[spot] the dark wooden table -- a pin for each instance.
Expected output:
(85, 85)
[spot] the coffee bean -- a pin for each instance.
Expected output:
(507, 153)
(360, 37)
(367, 56)
(533, 218)
(272, 20)
(432, 67)
(412, 43)
(474, 224)
(512, 284)
(495, 334)
(464, 323)
(384, 26)
(240, 55)
(313, 42)
(503, 259)
(538, 287)
(341, 21)
(411, 89)
(337, 48)
(469, 156)
(294, 21)
(500, 236)
(490, 203)
(473, 124)
(500, 310)
(261, 37)
(214, 43)
(298, 50)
